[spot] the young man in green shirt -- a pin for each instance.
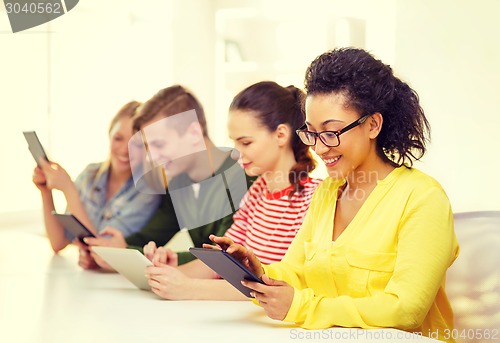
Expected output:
(202, 184)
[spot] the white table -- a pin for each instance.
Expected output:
(48, 298)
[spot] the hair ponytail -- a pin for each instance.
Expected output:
(305, 161)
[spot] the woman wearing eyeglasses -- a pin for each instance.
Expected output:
(378, 237)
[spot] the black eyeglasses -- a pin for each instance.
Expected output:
(329, 138)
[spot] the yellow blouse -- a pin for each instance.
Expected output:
(387, 269)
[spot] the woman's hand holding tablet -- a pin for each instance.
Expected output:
(73, 225)
(227, 267)
(243, 255)
(275, 296)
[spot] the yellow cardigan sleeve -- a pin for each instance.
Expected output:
(426, 247)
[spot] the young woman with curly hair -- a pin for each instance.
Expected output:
(378, 237)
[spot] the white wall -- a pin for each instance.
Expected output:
(24, 99)
(66, 79)
(449, 50)
(193, 52)
(278, 39)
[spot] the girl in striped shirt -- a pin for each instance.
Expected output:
(262, 123)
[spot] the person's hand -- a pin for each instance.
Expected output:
(223, 243)
(170, 283)
(39, 179)
(56, 176)
(149, 250)
(274, 296)
(100, 262)
(115, 239)
(239, 252)
(85, 260)
(160, 256)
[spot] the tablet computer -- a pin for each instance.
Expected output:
(130, 263)
(181, 241)
(34, 146)
(73, 225)
(227, 267)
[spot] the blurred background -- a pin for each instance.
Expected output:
(67, 78)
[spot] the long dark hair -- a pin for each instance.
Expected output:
(370, 86)
(273, 105)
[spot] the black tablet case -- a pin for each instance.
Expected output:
(34, 145)
(227, 267)
(73, 225)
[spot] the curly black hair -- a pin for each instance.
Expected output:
(369, 86)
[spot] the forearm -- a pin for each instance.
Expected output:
(197, 269)
(185, 257)
(312, 311)
(214, 289)
(54, 229)
(76, 208)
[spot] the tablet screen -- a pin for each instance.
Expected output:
(128, 262)
(34, 146)
(227, 267)
(73, 225)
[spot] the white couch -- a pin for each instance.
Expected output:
(473, 281)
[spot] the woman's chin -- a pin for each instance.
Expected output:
(121, 167)
(252, 171)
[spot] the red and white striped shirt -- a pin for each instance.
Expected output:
(267, 222)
